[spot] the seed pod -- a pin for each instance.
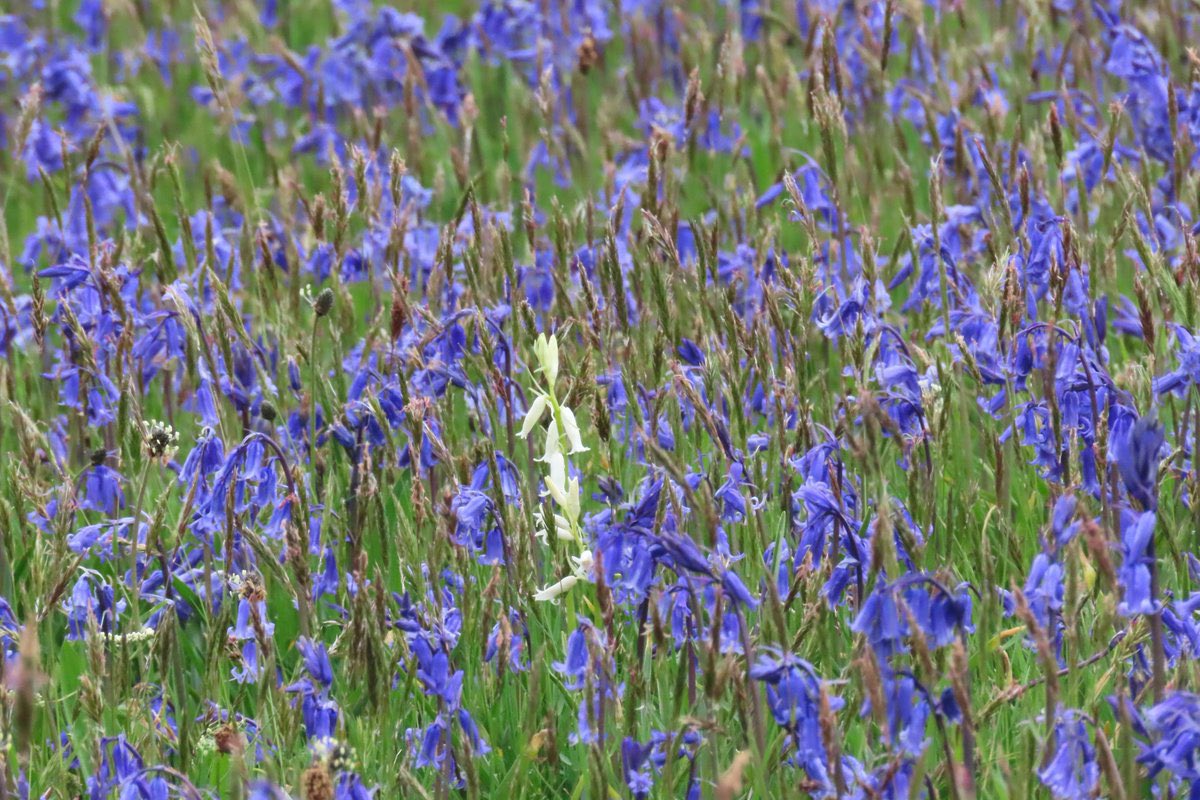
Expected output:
(318, 783)
(1145, 310)
(229, 740)
(1056, 136)
(600, 416)
(40, 321)
(324, 302)
(588, 54)
(31, 106)
(24, 681)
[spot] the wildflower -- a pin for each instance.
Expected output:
(794, 699)
(534, 415)
(508, 638)
(588, 667)
(252, 627)
(1133, 58)
(682, 554)
(551, 593)
(546, 351)
(907, 708)
(87, 603)
(562, 486)
(159, 439)
(564, 490)
(574, 667)
(1072, 772)
(691, 353)
(939, 613)
(736, 590)
(1137, 561)
(121, 767)
(881, 622)
(264, 790)
(319, 710)
(733, 503)
(441, 681)
(635, 767)
(204, 459)
(571, 431)
(1175, 746)
(1137, 460)
(472, 509)
(1043, 591)
(1188, 372)
(102, 487)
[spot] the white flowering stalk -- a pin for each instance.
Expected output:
(562, 439)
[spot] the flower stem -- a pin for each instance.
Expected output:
(133, 545)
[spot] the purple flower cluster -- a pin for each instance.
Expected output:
(879, 373)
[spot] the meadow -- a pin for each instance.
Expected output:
(571, 399)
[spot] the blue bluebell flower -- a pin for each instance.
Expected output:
(1072, 772)
(1137, 561)
(253, 627)
(1188, 372)
(1137, 460)
(794, 698)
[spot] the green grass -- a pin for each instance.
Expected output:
(982, 507)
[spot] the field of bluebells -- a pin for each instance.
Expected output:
(564, 399)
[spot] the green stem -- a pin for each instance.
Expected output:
(133, 546)
(312, 392)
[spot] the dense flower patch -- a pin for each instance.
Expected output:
(671, 398)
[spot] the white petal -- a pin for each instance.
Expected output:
(558, 492)
(583, 563)
(571, 428)
(558, 470)
(562, 528)
(571, 506)
(534, 415)
(546, 351)
(552, 360)
(553, 447)
(552, 592)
